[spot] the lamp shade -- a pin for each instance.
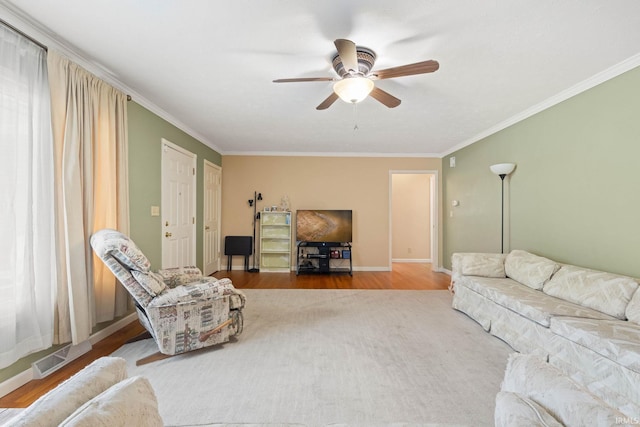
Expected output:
(502, 168)
(353, 89)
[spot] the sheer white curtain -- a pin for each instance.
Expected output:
(89, 119)
(27, 263)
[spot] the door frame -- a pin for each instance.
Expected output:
(163, 201)
(219, 214)
(433, 214)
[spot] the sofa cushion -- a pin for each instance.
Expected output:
(481, 264)
(178, 276)
(606, 292)
(515, 410)
(616, 340)
(527, 302)
(150, 281)
(529, 269)
(131, 402)
(633, 308)
(62, 401)
(563, 398)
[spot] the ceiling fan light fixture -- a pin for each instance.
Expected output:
(353, 89)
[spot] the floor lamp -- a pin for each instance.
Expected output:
(256, 215)
(502, 170)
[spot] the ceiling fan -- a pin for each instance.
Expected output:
(353, 64)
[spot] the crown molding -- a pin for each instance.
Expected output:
(321, 154)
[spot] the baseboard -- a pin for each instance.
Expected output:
(25, 376)
(413, 260)
(371, 268)
(114, 327)
(442, 270)
(15, 382)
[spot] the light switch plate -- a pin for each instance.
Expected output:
(155, 210)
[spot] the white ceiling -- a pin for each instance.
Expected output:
(207, 66)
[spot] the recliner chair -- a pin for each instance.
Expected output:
(181, 309)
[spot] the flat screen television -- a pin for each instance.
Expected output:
(324, 226)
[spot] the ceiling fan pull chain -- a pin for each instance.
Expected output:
(355, 116)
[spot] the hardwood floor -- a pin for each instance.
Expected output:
(405, 276)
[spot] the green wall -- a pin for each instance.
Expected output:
(146, 131)
(574, 195)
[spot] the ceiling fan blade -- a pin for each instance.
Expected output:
(305, 79)
(385, 97)
(348, 54)
(406, 70)
(327, 102)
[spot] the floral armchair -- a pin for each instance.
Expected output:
(181, 309)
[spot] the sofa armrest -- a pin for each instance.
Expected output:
(208, 288)
(562, 397)
(130, 402)
(56, 405)
(515, 410)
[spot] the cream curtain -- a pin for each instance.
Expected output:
(27, 263)
(89, 120)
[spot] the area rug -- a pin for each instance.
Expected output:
(335, 357)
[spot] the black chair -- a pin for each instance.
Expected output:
(238, 245)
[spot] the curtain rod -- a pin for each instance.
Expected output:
(11, 27)
(46, 49)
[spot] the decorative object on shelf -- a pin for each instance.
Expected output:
(256, 216)
(502, 170)
(285, 205)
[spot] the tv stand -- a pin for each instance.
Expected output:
(323, 258)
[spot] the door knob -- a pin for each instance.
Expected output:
(167, 234)
(206, 227)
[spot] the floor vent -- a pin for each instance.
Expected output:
(55, 361)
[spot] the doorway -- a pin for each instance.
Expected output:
(413, 233)
(178, 206)
(211, 217)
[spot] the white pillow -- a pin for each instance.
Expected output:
(529, 269)
(131, 402)
(633, 309)
(482, 264)
(62, 401)
(606, 292)
(515, 410)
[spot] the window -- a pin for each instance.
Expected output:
(27, 264)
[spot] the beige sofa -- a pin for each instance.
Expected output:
(98, 395)
(535, 393)
(584, 322)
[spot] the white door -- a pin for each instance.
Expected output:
(211, 215)
(178, 206)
